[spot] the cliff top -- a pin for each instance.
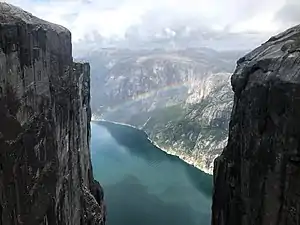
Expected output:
(283, 43)
(10, 14)
(277, 59)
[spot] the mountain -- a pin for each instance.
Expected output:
(257, 177)
(46, 177)
(181, 98)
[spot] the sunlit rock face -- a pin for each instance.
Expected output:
(181, 98)
(45, 169)
(257, 177)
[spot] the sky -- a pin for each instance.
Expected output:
(97, 20)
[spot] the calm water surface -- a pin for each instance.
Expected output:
(145, 186)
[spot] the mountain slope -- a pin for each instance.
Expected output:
(200, 133)
(181, 98)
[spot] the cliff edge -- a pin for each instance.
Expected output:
(257, 177)
(45, 169)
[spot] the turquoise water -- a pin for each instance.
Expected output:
(145, 186)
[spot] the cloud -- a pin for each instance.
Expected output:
(289, 14)
(108, 18)
(118, 20)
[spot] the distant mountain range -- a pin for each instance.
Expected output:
(171, 37)
(181, 98)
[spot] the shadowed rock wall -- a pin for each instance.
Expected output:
(257, 177)
(45, 169)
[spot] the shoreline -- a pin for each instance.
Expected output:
(181, 156)
(169, 152)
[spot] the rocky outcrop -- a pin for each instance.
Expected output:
(45, 169)
(257, 177)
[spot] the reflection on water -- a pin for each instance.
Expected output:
(145, 186)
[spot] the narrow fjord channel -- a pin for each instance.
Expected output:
(143, 185)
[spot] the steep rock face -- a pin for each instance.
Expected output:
(257, 177)
(45, 169)
(181, 98)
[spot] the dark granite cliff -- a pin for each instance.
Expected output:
(257, 177)
(45, 169)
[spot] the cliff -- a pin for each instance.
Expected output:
(257, 177)
(45, 169)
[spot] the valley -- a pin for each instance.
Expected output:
(182, 99)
